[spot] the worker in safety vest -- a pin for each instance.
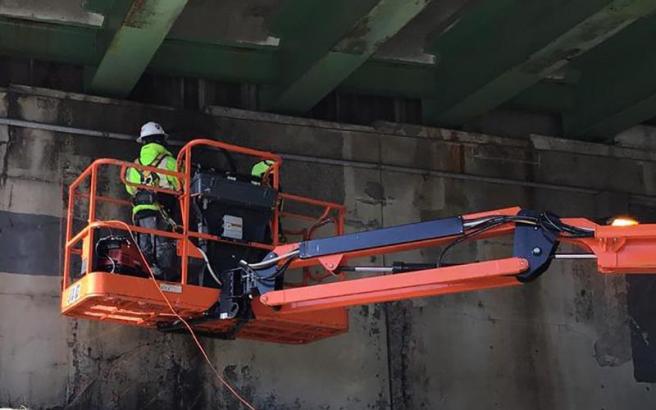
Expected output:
(260, 169)
(151, 209)
(258, 173)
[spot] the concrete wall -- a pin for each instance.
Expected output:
(572, 340)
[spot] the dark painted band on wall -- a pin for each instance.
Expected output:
(29, 244)
(642, 321)
(642, 311)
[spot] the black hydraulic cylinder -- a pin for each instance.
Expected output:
(397, 267)
(396, 235)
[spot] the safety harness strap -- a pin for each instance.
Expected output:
(148, 177)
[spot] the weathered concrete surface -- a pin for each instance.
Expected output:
(61, 11)
(48, 361)
(640, 136)
(234, 21)
(565, 341)
(409, 43)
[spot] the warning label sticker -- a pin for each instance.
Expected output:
(73, 294)
(170, 287)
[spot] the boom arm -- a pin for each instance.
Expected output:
(630, 249)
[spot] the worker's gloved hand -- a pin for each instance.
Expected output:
(157, 271)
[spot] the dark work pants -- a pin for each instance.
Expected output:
(160, 252)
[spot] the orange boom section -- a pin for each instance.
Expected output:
(616, 250)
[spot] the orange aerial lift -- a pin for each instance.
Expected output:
(239, 273)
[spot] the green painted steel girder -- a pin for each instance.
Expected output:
(503, 47)
(218, 62)
(257, 65)
(316, 58)
(618, 84)
(52, 42)
(545, 96)
(391, 79)
(133, 44)
(79, 45)
(103, 7)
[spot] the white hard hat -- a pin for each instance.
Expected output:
(151, 128)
